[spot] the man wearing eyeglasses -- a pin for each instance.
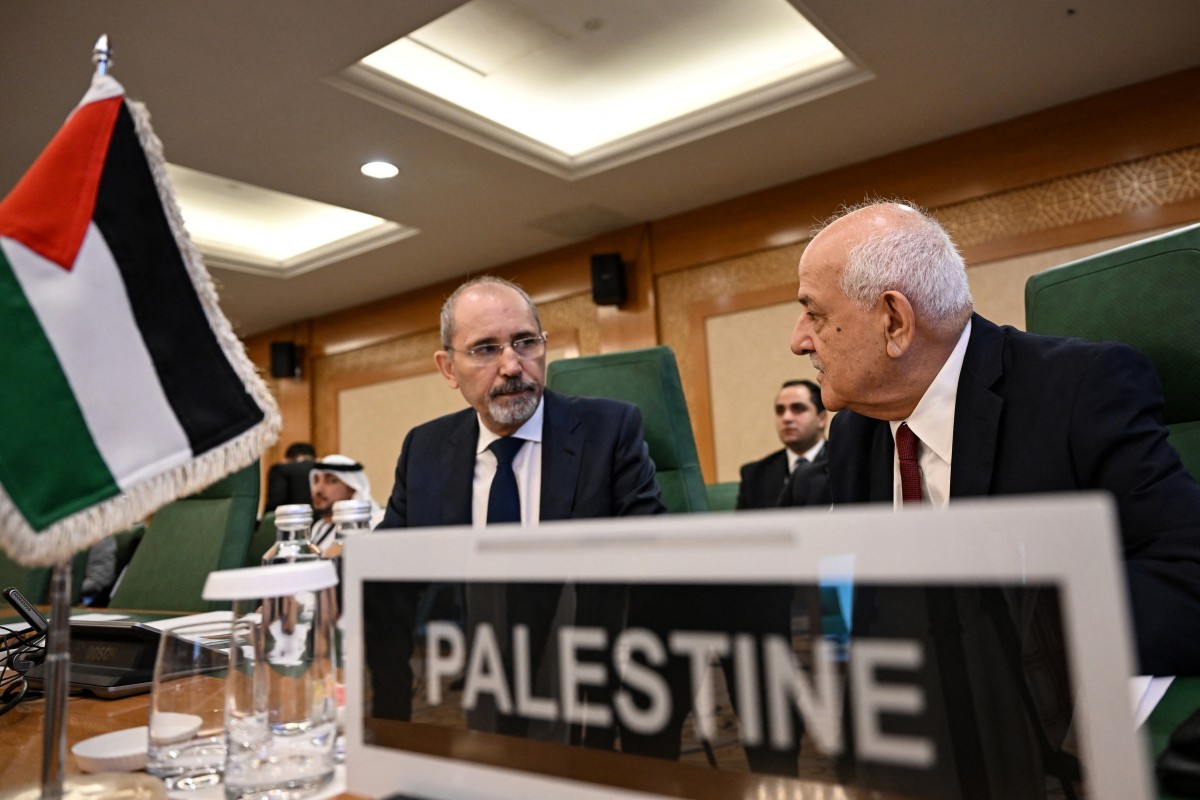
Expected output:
(574, 458)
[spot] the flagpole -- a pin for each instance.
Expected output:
(58, 652)
(58, 668)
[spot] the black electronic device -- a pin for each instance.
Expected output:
(26, 609)
(108, 659)
(285, 360)
(608, 279)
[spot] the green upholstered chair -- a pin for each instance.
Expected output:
(260, 543)
(722, 496)
(1143, 294)
(649, 379)
(187, 539)
(34, 582)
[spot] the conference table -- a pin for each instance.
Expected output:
(21, 744)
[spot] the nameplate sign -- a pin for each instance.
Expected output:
(982, 650)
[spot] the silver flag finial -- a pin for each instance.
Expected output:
(102, 54)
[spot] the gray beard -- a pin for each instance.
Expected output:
(516, 411)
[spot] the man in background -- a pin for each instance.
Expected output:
(800, 422)
(333, 478)
(287, 481)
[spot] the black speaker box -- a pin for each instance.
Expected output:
(285, 360)
(608, 279)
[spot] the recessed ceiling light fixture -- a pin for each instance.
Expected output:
(562, 88)
(380, 169)
(248, 228)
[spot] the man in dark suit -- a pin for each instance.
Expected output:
(575, 458)
(287, 481)
(887, 320)
(800, 422)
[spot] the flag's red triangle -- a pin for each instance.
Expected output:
(49, 209)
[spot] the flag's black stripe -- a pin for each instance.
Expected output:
(208, 397)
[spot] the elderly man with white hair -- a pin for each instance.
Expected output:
(333, 478)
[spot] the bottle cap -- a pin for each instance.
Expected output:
(351, 511)
(296, 515)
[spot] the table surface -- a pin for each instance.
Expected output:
(21, 738)
(21, 730)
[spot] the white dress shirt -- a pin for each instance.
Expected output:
(933, 423)
(527, 466)
(809, 455)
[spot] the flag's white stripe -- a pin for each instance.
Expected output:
(86, 315)
(102, 88)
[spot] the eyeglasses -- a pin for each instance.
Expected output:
(529, 347)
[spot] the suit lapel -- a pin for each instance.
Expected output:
(883, 449)
(457, 471)
(977, 411)
(562, 454)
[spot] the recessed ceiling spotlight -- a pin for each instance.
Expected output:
(380, 169)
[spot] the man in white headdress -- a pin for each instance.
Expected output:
(333, 478)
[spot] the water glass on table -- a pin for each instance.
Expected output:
(187, 706)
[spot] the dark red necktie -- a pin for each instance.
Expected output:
(910, 470)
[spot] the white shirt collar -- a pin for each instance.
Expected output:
(809, 455)
(933, 423)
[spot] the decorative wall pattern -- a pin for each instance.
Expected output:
(1147, 182)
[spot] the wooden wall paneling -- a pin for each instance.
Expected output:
(546, 277)
(293, 395)
(1123, 125)
(633, 324)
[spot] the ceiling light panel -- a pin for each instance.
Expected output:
(577, 86)
(248, 228)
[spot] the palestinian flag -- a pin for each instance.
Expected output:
(124, 385)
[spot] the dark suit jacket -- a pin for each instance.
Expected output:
(595, 463)
(808, 485)
(1046, 414)
(764, 482)
(1033, 414)
(287, 482)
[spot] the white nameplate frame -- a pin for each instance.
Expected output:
(1066, 542)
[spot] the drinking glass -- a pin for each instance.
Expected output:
(187, 706)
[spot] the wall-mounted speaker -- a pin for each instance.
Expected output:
(285, 360)
(608, 279)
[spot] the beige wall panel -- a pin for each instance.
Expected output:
(374, 420)
(749, 357)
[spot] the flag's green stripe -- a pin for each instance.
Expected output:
(46, 450)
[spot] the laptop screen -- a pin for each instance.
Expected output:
(762, 654)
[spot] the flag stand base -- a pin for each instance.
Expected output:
(105, 785)
(55, 784)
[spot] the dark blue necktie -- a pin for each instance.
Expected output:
(504, 502)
